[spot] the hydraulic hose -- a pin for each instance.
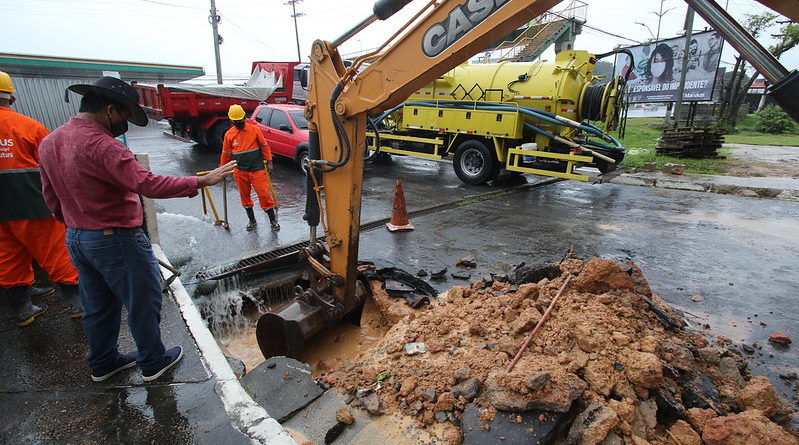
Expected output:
(343, 140)
(532, 112)
(372, 124)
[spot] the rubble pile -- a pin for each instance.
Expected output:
(612, 364)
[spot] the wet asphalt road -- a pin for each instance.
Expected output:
(741, 254)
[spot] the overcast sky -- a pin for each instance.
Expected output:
(178, 31)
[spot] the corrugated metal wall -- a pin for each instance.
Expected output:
(43, 99)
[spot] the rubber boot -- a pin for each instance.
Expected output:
(35, 292)
(25, 310)
(72, 297)
(270, 212)
(251, 216)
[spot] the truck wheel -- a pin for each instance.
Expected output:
(217, 134)
(475, 163)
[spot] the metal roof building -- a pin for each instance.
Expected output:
(41, 81)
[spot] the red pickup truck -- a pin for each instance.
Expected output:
(285, 128)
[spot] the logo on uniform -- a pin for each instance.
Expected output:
(6, 142)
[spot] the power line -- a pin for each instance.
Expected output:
(170, 4)
(598, 30)
(242, 30)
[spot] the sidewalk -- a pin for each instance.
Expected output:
(47, 396)
(782, 188)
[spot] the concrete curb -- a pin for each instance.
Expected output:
(698, 184)
(249, 417)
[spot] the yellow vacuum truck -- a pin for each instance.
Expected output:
(546, 118)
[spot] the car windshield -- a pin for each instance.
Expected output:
(299, 119)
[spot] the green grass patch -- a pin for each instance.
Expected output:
(641, 138)
(755, 138)
(642, 134)
(637, 157)
(745, 133)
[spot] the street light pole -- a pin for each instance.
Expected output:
(647, 28)
(660, 17)
(689, 25)
(214, 19)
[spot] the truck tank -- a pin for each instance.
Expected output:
(566, 87)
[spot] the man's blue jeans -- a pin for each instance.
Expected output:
(116, 268)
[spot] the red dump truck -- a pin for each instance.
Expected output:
(203, 117)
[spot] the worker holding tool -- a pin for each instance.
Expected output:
(246, 144)
(92, 182)
(27, 228)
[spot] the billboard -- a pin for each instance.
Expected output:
(656, 74)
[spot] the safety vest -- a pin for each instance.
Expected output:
(247, 147)
(20, 182)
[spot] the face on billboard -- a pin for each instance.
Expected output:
(657, 68)
(714, 42)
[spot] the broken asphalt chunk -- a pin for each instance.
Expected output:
(282, 386)
(467, 262)
(438, 274)
(532, 427)
(462, 275)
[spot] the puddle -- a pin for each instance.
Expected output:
(244, 347)
(327, 350)
(612, 227)
(784, 229)
(342, 343)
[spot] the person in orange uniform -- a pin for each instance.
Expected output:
(27, 228)
(246, 145)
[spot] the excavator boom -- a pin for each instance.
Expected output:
(441, 36)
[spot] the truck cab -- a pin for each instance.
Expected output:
(299, 91)
(285, 129)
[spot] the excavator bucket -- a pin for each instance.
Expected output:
(284, 331)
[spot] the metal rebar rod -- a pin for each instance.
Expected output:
(540, 323)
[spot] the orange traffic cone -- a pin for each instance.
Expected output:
(399, 215)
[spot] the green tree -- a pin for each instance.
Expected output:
(739, 82)
(604, 68)
(773, 120)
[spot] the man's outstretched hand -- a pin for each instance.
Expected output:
(216, 175)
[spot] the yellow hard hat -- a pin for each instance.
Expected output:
(6, 86)
(235, 113)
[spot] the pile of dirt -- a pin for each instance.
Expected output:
(613, 361)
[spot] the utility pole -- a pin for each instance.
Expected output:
(689, 26)
(294, 15)
(214, 19)
(660, 17)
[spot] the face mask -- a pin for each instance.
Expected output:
(119, 128)
(238, 124)
(658, 68)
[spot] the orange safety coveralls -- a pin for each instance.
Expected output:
(249, 149)
(27, 228)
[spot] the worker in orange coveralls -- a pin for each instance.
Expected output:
(27, 228)
(247, 146)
